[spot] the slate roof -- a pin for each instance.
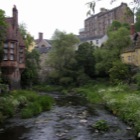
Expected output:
(91, 38)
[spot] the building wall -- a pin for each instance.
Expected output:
(97, 25)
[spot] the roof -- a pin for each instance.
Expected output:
(91, 38)
(43, 49)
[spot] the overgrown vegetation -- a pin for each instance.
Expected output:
(101, 125)
(26, 103)
(120, 100)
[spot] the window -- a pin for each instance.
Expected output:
(12, 51)
(11, 57)
(5, 45)
(97, 41)
(12, 45)
(129, 58)
(5, 50)
(5, 57)
(43, 46)
(21, 60)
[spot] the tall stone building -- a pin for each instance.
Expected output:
(96, 25)
(13, 62)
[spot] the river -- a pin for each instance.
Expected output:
(71, 118)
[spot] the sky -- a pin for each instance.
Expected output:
(48, 15)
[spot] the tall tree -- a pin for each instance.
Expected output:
(3, 27)
(85, 58)
(61, 57)
(30, 74)
(137, 24)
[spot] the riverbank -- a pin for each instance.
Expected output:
(24, 103)
(120, 100)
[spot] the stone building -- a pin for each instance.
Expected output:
(13, 62)
(96, 26)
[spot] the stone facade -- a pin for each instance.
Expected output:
(13, 62)
(97, 25)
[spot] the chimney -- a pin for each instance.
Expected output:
(132, 29)
(103, 10)
(15, 16)
(40, 36)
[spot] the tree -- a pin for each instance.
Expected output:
(91, 6)
(119, 72)
(27, 37)
(3, 28)
(30, 74)
(61, 58)
(85, 59)
(118, 39)
(137, 24)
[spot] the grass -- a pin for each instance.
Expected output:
(27, 103)
(120, 100)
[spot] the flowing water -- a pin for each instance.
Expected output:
(70, 119)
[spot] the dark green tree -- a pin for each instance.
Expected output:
(137, 24)
(61, 58)
(3, 29)
(85, 59)
(119, 72)
(30, 74)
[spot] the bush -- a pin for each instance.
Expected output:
(101, 125)
(26, 113)
(45, 102)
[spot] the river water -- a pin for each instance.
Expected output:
(71, 118)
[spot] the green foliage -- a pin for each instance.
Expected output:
(137, 24)
(47, 88)
(65, 81)
(119, 39)
(30, 74)
(27, 103)
(137, 78)
(7, 106)
(27, 37)
(119, 72)
(61, 58)
(101, 125)
(90, 91)
(3, 28)
(85, 58)
(114, 26)
(46, 102)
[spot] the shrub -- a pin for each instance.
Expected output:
(101, 125)
(45, 102)
(66, 81)
(26, 113)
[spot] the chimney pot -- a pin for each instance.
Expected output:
(40, 36)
